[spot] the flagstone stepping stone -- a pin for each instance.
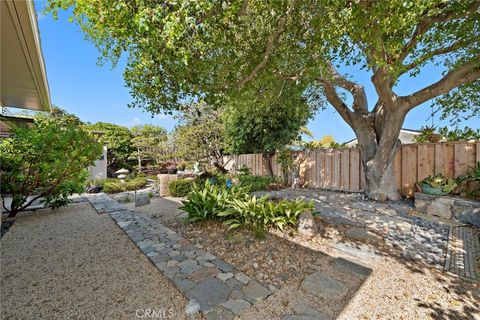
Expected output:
(322, 285)
(256, 291)
(356, 269)
(236, 305)
(209, 293)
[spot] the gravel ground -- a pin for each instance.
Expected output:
(397, 288)
(76, 264)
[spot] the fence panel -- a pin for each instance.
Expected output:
(343, 169)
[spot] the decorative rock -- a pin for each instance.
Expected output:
(224, 276)
(322, 285)
(362, 235)
(189, 266)
(209, 293)
(203, 274)
(172, 263)
(256, 291)
(242, 277)
(219, 313)
(236, 305)
(306, 225)
(192, 307)
(141, 199)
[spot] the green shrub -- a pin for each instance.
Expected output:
(262, 214)
(206, 201)
(255, 183)
(180, 188)
(237, 209)
(48, 162)
(116, 186)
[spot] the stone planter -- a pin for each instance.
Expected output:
(164, 180)
(453, 208)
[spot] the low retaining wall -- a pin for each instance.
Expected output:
(453, 208)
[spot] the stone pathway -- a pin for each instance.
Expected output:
(213, 286)
(463, 254)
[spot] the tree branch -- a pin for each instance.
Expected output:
(272, 39)
(357, 90)
(336, 102)
(422, 27)
(466, 73)
(440, 51)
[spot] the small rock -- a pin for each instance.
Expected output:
(192, 307)
(306, 225)
(224, 276)
(243, 278)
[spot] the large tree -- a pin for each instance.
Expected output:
(190, 49)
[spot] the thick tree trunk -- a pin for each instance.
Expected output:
(267, 160)
(378, 143)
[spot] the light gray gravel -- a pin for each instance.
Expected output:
(74, 263)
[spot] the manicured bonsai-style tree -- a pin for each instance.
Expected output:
(48, 161)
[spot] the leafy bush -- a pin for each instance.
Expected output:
(255, 183)
(206, 201)
(440, 182)
(115, 185)
(180, 188)
(48, 161)
(237, 209)
(469, 184)
(244, 170)
(263, 214)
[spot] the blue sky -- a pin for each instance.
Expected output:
(97, 93)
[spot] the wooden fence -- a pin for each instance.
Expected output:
(342, 169)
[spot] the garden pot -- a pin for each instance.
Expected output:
(433, 191)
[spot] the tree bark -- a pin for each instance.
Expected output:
(267, 160)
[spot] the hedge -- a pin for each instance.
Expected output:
(115, 186)
(180, 188)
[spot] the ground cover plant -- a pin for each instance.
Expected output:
(48, 161)
(236, 208)
(115, 185)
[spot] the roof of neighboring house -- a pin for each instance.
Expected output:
(404, 130)
(23, 78)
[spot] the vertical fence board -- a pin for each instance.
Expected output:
(409, 170)
(423, 169)
(354, 170)
(397, 169)
(441, 158)
(321, 169)
(461, 159)
(345, 169)
(336, 170)
(328, 171)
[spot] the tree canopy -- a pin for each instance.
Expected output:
(210, 50)
(117, 138)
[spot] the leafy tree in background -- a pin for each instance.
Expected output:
(65, 117)
(266, 116)
(206, 49)
(147, 139)
(48, 161)
(200, 135)
(117, 138)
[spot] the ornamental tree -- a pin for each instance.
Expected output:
(48, 162)
(117, 138)
(147, 139)
(200, 135)
(207, 49)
